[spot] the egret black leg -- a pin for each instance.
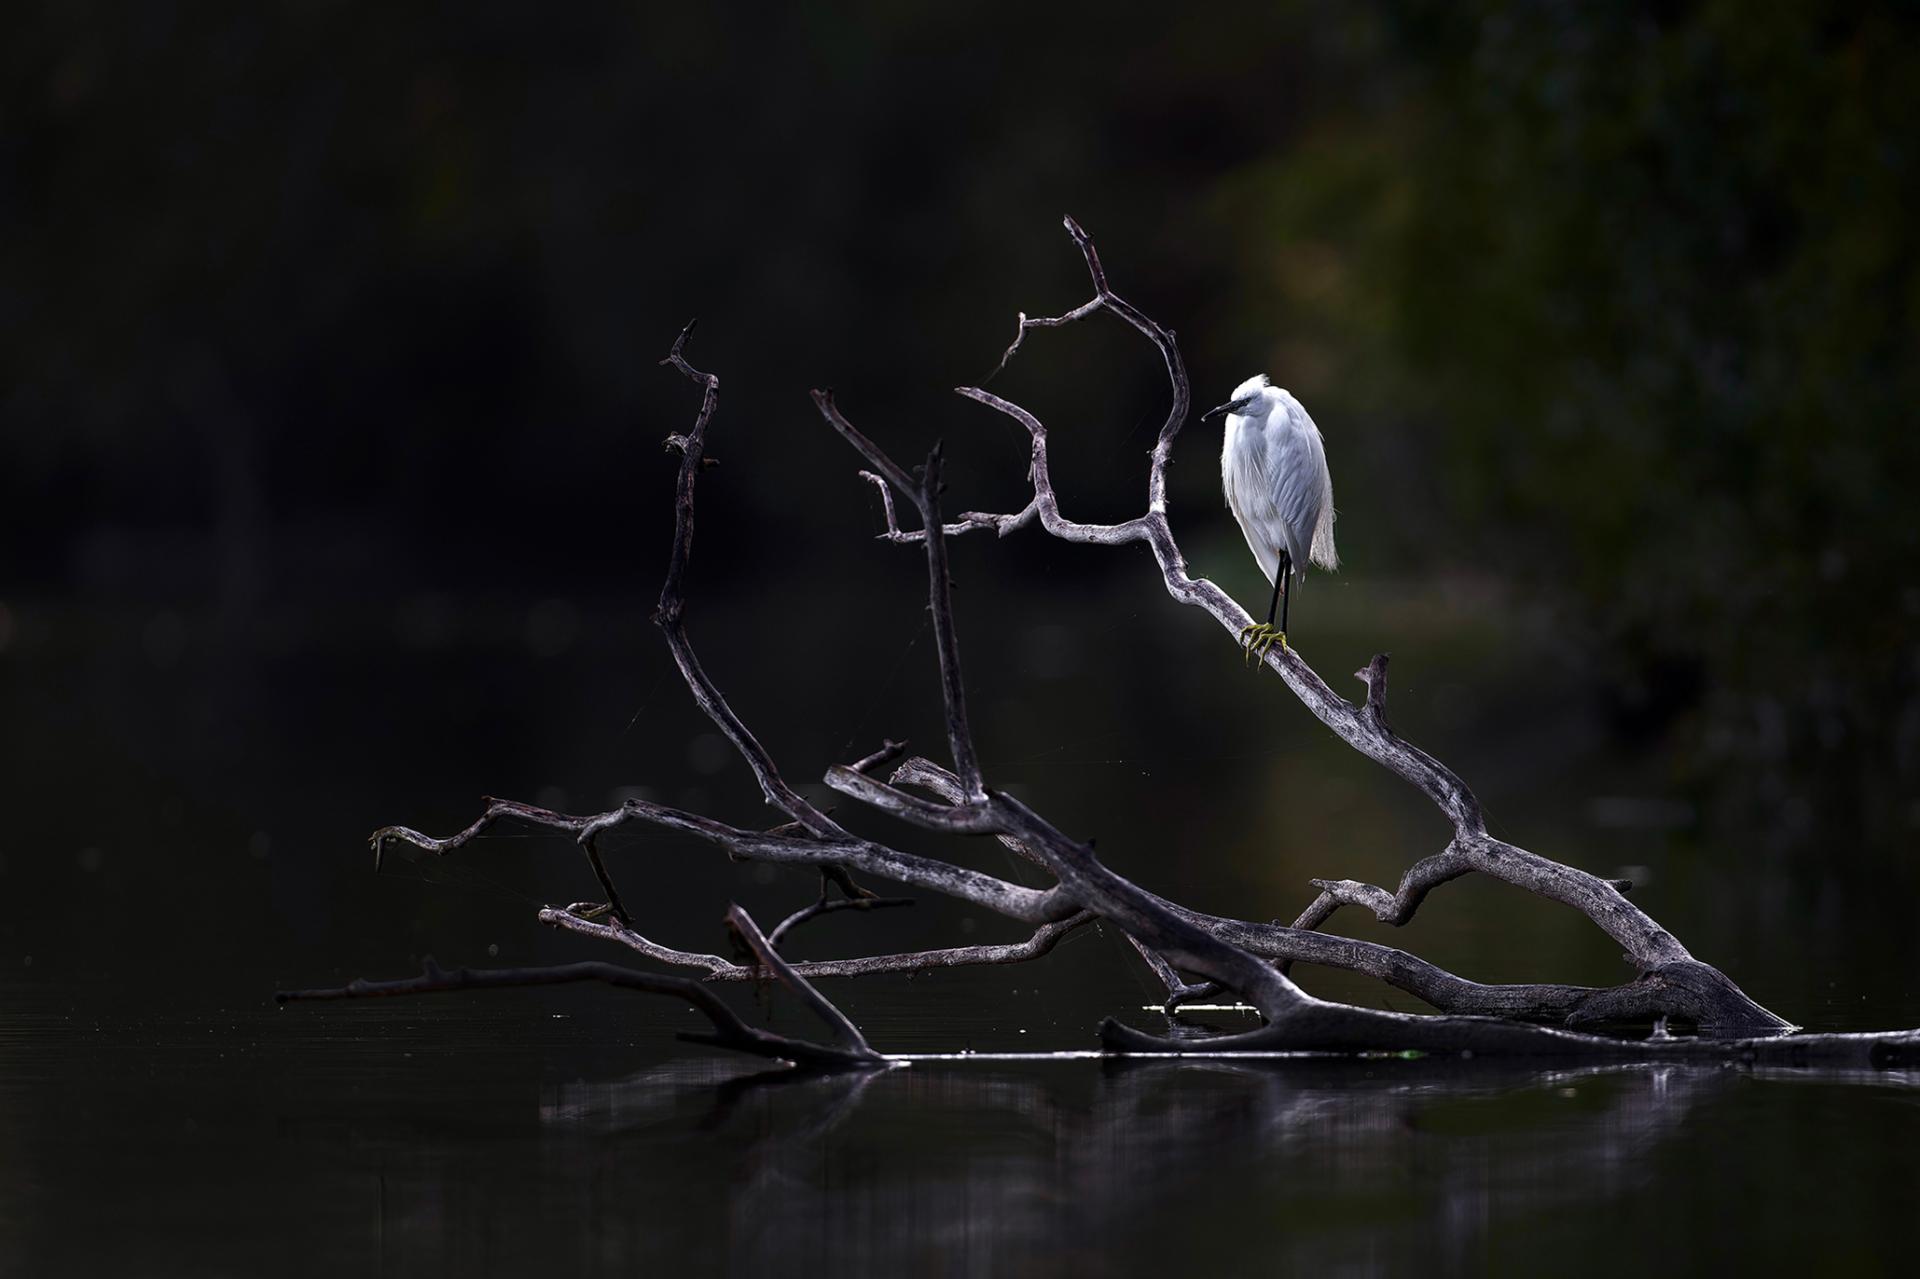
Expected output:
(1279, 578)
(1259, 637)
(1286, 599)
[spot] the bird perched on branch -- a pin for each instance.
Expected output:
(1273, 466)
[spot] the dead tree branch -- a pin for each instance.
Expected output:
(670, 615)
(1182, 938)
(1190, 950)
(714, 968)
(1651, 948)
(1016, 901)
(728, 1030)
(1000, 524)
(845, 1033)
(829, 905)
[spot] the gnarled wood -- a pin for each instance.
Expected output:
(1247, 958)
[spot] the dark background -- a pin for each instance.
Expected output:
(332, 495)
(333, 492)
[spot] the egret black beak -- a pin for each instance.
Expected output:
(1232, 406)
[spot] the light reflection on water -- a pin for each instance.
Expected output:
(162, 1122)
(1053, 1166)
(503, 1138)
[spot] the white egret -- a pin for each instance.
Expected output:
(1273, 466)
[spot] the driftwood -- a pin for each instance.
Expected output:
(1192, 953)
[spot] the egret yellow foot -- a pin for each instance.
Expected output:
(1259, 638)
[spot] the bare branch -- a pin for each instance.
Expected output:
(1104, 298)
(1167, 929)
(967, 523)
(670, 616)
(1083, 879)
(1684, 989)
(928, 775)
(889, 751)
(584, 829)
(716, 969)
(1246, 958)
(1080, 312)
(1041, 476)
(971, 818)
(829, 906)
(1178, 990)
(728, 1030)
(495, 810)
(586, 842)
(691, 447)
(1016, 901)
(893, 533)
(926, 497)
(1364, 727)
(890, 471)
(1389, 908)
(845, 1033)
(940, 591)
(583, 918)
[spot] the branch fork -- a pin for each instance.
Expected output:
(1191, 952)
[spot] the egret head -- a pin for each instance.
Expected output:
(1249, 399)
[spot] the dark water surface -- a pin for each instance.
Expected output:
(187, 833)
(332, 496)
(524, 1136)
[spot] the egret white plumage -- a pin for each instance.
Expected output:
(1273, 465)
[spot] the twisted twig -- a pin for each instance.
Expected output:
(968, 521)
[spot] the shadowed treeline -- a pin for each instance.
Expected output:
(329, 415)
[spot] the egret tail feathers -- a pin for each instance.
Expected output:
(1322, 554)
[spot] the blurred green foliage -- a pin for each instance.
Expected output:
(1610, 306)
(1637, 287)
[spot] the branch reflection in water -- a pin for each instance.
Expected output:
(995, 1166)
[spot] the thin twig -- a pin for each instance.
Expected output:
(967, 523)
(966, 764)
(1178, 990)
(829, 906)
(1016, 901)
(728, 1030)
(670, 615)
(716, 969)
(889, 751)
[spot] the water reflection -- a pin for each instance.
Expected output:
(510, 1136)
(1059, 1168)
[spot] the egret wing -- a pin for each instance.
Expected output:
(1296, 468)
